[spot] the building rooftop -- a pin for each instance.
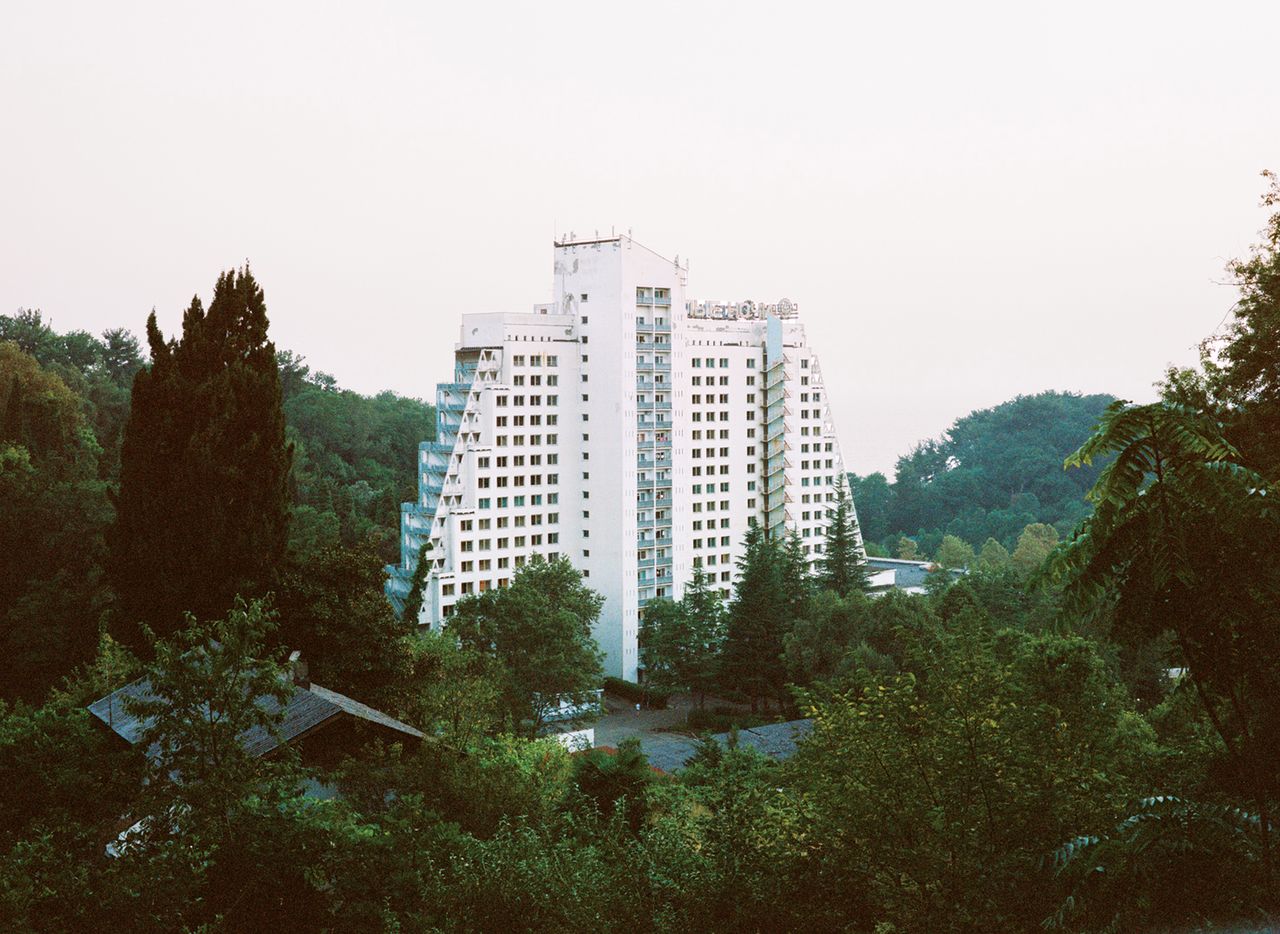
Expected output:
(907, 574)
(309, 708)
(670, 753)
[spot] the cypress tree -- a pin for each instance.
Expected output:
(202, 511)
(844, 565)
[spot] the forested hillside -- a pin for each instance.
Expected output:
(994, 472)
(354, 458)
(64, 403)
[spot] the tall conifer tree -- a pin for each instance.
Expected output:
(202, 512)
(844, 566)
(758, 618)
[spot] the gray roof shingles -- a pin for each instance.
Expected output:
(775, 740)
(307, 708)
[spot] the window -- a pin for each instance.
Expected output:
(584, 296)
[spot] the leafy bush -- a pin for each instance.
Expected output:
(653, 698)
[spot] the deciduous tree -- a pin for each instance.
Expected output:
(539, 630)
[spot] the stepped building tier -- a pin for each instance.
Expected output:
(632, 430)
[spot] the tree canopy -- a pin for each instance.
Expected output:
(540, 631)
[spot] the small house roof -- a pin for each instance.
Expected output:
(307, 708)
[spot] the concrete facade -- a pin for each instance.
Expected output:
(633, 430)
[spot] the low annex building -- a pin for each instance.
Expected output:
(322, 724)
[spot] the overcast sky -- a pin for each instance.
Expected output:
(968, 201)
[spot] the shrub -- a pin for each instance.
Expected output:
(653, 698)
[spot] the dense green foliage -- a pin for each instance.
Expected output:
(64, 402)
(680, 643)
(332, 609)
(54, 511)
(994, 472)
(539, 632)
(1010, 751)
(647, 694)
(354, 460)
(765, 595)
(99, 371)
(202, 512)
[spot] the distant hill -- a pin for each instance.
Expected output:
(991, 474)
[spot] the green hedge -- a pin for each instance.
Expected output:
(650, 697)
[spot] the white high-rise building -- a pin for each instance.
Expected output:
(630, 429)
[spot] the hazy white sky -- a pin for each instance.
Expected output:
(968, 201)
